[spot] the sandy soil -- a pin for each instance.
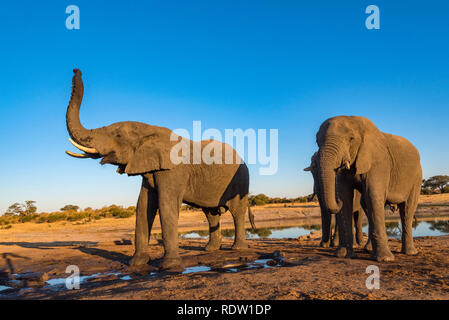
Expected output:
(300, 268)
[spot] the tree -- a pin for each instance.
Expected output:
(30, 208)
(436, 183)
(19, 209)
(15, 209)
(258, 200)
(69, 207)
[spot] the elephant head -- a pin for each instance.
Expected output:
(345, 143)
(135, 147)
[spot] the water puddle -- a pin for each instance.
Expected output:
(196, 269)
(60, 283)
(2, 288)
(421, 228)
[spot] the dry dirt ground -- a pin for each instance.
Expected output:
(291, 269)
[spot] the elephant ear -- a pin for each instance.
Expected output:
(152, 155)
(364, 157)
(372, 145)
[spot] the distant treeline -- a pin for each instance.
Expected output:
(27, 212)
(261, 199)
(435, 185)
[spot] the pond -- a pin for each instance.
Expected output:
(420, 229)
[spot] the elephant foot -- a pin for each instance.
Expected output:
(410, 250)
(213, 245)
(171, 263)
(324, 244)
(341, 252)
(383, 256)
(139, 260)
(240, 245)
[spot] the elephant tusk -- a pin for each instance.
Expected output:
(77, 155)
(82, 148)
(308, 169)
(347, 166)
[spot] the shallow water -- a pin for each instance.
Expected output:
(420, 229)
(4, 288)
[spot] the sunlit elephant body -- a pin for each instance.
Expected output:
(328, 238)
(384, 168)
(146, 150)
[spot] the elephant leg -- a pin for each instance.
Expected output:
(169, 204)
(358, 236)
(376, 211)
(336, 236)
(344, 217)
(214, 231)
(152, 210)
(238, 210)
(141, 255)
(368, 245)
(326, 231)
(407, 212)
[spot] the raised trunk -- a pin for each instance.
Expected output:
(327, 183)
(76, 130)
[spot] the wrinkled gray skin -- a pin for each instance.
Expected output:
(384, 168)
(327, 238)
(142, 149)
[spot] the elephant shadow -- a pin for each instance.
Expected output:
(109, 255)
(49, 245)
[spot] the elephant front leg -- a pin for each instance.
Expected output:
(141, 255)
(378, 235)
(169, 213)
(335, 236)
(214, 231)
(344, 219)
(325, 229)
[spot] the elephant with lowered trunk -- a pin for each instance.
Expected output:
(327, 238)
(168, 177)
(384, 168)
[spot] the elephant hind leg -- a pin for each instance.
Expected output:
(407, 212)
(214, 230)
(238, 209)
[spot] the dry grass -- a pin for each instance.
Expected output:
(434, 199)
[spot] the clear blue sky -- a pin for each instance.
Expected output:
(287, 65)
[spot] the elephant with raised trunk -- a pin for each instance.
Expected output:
(168, 177)
(329, 239)
(384, 168)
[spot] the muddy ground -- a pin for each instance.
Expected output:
(290, 269)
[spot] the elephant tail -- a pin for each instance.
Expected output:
(251, 218)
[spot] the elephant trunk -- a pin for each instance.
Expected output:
(76, 130)
(327, 176)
